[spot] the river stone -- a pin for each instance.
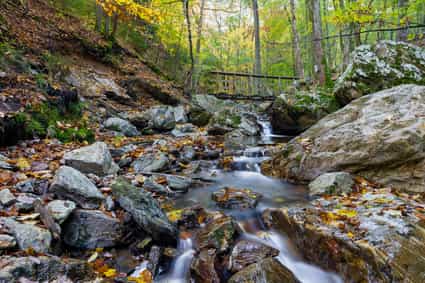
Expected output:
(293, 112)
(6, 197)
(380, 66)
(151, 162)
(145, 211)
(7, 242)
(44, 269)
(232, 198)
(94, 158)
(25, 202)
(218, 233)
(90, 229)
(162, 118)
(182, 130)
(379, 136)
(247, 252)
(61, 209)
(70, 184)
(29, 236)
(249, 126)
(178, 183)
(268, 270)
(179, 114)
(202, 267)
(331, 183)
(123, 126)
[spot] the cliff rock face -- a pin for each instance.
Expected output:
(379, 136)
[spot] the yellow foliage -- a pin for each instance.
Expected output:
(126, 9)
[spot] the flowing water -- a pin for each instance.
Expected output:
(276, 193)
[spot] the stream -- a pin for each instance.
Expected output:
(245, 173)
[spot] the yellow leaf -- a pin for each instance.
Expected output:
(175, 215)
(346, 212)
(110, 273)
(23, 164)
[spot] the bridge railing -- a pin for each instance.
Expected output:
(236, 83)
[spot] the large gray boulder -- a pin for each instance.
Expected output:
(29, 236)
(90, 229)
(380, 66)
(145, 211)
(122, 126)
(61, 209)
(94, 158)
(151, 162)
(294, 112)
(379, 136)
(70, 184)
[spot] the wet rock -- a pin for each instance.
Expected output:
(188, 153)
(109, 203)
(145, 211)
(178, 183)
(123, 126)
(232, 198)
(182, 130)
(7, 242)
(294, 112)
(218, 233)
(268, 270)
(180, 114)
(90, 229)
(151, 185)
(374, 237)
(25, 202)
(94, 158)
(380, 66)
(151, 162)
(139, 119)
(218, 130)
(378, 136)
(44, 269)
(249, 126)
(61, 209)
(4, 164)
(162, 118)
(154, 259)
(29, 236)
(6, 197)
(70, 184)
(246, 252)
(202, 267)
(33, 186)
(331, 183)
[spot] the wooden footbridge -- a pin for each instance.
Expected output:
(246, 86)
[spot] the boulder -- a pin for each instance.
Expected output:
(218, 233)
(178, 183)
(25, 202)
(94, 158)
(249, 125)
(380, 66)
(6, 197)
(247, 252)
(29, 236)
(121, 125)
(378, 136)
(145, 211)
(203, 107)
(44, 269)
(70, 184)
(182, 130)
(90, 229)
(331, 183)
(61, 209)
(180, 114)
(268, 270)
(291, 113)
(162, 118)
(151, 162)
(202, 267)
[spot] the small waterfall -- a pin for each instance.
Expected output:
(180, 267)
(305, 273)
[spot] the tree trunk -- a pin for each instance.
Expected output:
(99, 14)
(257, 63)
(188, 83)
(107, 24)
(299, 69)
(198, 45)
(402, 6)
(344, 42)
(114, 25)
(318, 60)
